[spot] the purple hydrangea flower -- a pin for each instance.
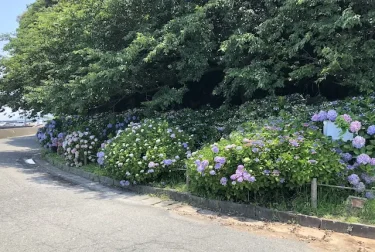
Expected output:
(252, 179)
(124, 183)
(315, 118)
(360, 187)
(363, 159)
(109, 126)
(185, 145)
(218, 166)
(201, 166)
(212, 172)
(168, 162)
(369, 195)
(372, 162)
(322, 116)
(173, 136)
(293, 143)
(332, 115)
(215, 149)
(353, 179)
(220, 160)
(282, 180)
(151, 171)
(346, 156)
(368, 179)
(371, 130)
(200, 169)
(223, 181)
(255, 150)
(350, 167)
(266, 172)
(347, 118)
(152, 165)
(313, 161)
(358, 142)
(355, 126)
(205, 163)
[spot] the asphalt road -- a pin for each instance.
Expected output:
(41, 212)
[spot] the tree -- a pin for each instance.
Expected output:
(73, 56)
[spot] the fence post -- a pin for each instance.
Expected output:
(187, 180)
(314, 193)
(84, 159)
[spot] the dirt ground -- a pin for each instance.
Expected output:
(319, 240)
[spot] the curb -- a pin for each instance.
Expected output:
(228, 207)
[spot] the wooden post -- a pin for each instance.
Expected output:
(314, 193)
(187, 180)
(85, 159)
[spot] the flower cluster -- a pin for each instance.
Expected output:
(268, 157)
(360, 167)
(146, 152)
(79, 146)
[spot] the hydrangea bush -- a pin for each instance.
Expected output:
(146, 152)
(79, 146)
(50, 136)
(278, 154)
(358, 154)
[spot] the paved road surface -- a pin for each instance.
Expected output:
(40, 212)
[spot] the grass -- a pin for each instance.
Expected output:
(332, 202)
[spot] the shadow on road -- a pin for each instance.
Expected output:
(26, 142)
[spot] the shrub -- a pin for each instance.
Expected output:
(276, 154)
(146, 152)
(78, 146)
(357, 155)
(50, 136)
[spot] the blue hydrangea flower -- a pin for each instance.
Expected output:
(223, 181)
(322, 116)
(212, 172)
(346, 156)
(293, 143)
(369, 195)
(168, 162)
(371, 130)
(332, 115)
(353, 179)
(215, 149)
(360, 187)
(220, 160)
(363, 159)
(124, 183)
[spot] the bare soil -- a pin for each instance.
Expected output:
(319, 240)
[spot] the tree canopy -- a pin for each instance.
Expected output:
(76, 56)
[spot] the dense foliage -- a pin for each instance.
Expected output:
(72, 56)
(145, 152)
(264, 156)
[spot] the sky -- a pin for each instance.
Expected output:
(9, 11)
